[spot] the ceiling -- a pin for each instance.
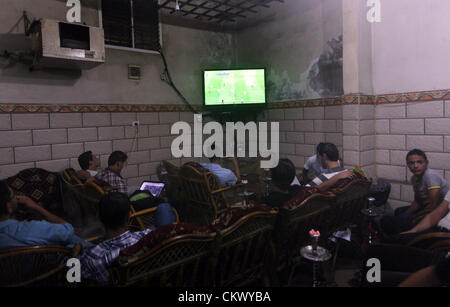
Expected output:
(214, 14)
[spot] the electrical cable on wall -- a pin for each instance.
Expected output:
(170, 82)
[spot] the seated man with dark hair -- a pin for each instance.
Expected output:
(114, 212)
(14, 233)
(313, 165)
(283, 189)
(329, 159)
(429, 187)
(89, 164)
(116, 163)
(225, 176)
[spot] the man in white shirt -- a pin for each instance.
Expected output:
(329, 160)
(313, 165)
(89, 164)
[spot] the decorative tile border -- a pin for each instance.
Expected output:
(76, 108)
(334, 101)
(413, 97)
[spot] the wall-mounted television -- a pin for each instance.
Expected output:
(234, 87)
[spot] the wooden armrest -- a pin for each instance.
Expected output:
(431, 235)
(96, 187)
(142, 212)
(441, 244)
(76, 179)
(227, 188)
(91, 239)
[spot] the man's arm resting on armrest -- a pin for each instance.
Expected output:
(431, 219)
(333, 180)
(47, 215)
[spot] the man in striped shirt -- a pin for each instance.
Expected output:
(114, 212)
(329, 160)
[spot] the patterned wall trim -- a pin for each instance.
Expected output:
(335, 101)
(77, 108)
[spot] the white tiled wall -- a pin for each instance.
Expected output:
(374, 137)
(401, 127)
(54, 141)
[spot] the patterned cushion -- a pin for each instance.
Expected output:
(160, 235)
(36, 183)
(166, 232)
(300, 197)
(42, 187)
(233, 214)
(343, 182)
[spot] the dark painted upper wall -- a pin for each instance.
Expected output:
(301, 47)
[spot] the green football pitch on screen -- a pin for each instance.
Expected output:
(229, 87)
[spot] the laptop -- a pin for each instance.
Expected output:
(154, 187)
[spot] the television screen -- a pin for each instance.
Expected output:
(234, 87)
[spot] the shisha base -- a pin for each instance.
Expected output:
(319, 254)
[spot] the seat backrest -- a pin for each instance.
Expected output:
(175, 255)
(295, 221)
(35, 265)
(42, 186)
(351, 198)
(201, 189)
(173, 184)
(245, 248)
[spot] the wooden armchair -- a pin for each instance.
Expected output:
(144, 219)
(202, 194)
(350, 199)
(35, 266)
(246, 252)
(176, 255)
(173, 187)
(295, 219)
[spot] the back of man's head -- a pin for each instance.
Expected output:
(320, 148)
(84, 159)
(331, 151)
(5, 197)
(114, 210)
(117, 156)
(283, 174)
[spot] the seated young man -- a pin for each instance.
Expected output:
(437, 220)
(225, 176)
(89, 164)
(313, 165)
(282, 177)
(282, 190)
(429, 191)
(114, 212)
(14, 233)
(329, 160)
(116, 163)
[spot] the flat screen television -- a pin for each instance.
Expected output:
(234, 87)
